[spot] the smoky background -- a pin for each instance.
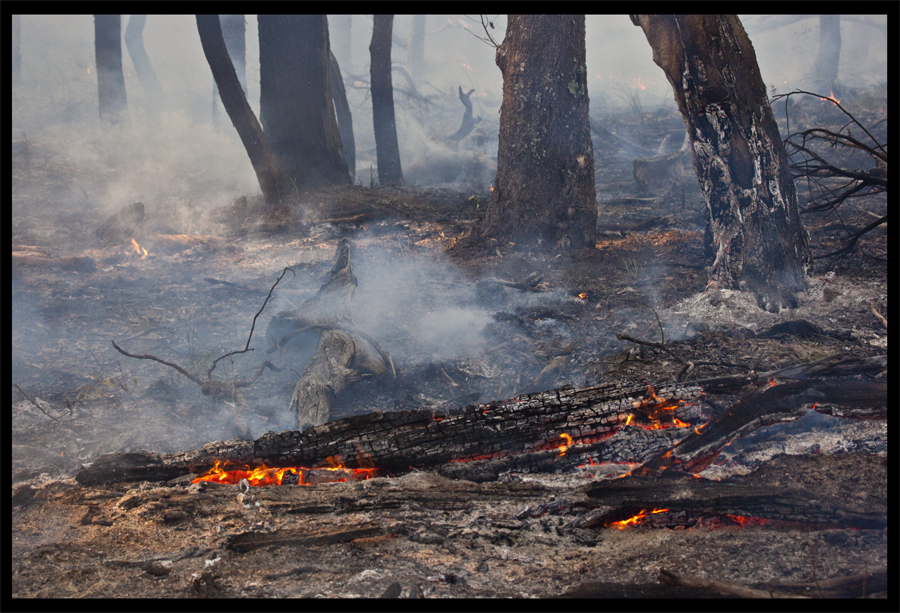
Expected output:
(182, 161)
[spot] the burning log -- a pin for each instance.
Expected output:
(119, 228)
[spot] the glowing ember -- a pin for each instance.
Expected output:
(583, 296)
(832, 98)
(660, 412)
(263, 475)
(633, 521)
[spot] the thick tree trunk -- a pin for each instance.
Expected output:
(134, 42)
(386, 148)
(110, 78)
(235, 103)
(759, 242)
(829, 57)
(415, 48)
(544, 193)
(344, 116)
(296, 108)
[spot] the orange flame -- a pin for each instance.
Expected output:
(633, 521)
(562, 448)
(263, 475)
(831, 97)
(138, 249)
(583, 296)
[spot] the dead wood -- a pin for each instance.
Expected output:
(722, 587)
(37, 259)
(776, 403)
(810, 489)
(468, 122)
(119, 227)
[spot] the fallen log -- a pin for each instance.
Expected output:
(528, 432)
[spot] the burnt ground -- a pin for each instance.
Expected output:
(456, 335)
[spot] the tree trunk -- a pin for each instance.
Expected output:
(233, 31)
(544, 192)
(341, 27)
(16, 55)
(415, 49)
(344, 116)
(296, 108)
(134, 42)
(386, 148)
(829, 56)
(754, 223)
(238, 109)
(110, 79)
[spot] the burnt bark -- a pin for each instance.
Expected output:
(110, 78)
(544, 191)
(261, 155)
(468, 121)
(296, 108)
(134, 42)
(754, 227)
(234, 33)
(344, 116)
(387, 150)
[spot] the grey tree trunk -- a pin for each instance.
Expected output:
(296, 108)
(754, 227)
(545, 192)
(829, 57)
(134, 42)
(239, 110)
(234, 33)
(344, 116)
(387, 149)
(110, 78)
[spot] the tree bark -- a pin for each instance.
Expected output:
(234, 33)
(296, 108)
(415, 48)
(134, 42)
(829, 56)
(261, 156)
(387, 149)
(754, 225)
(344, 116)
(110, 78)
(544, 191)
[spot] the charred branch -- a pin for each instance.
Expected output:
(468, 122)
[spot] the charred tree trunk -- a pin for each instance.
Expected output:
(134, 42)
(760, 244)
(344, 116)
(110, 78)
(386, 147)
(415, 48)
(296, 109)
(829, 56)
(545, 166)
(235, 103)
(234, 33)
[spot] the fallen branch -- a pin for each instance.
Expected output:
(732, 589)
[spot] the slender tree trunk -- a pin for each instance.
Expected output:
(545, 191)
(829, 56)
(759, 242)
(16, 55)
(134, 42)
(233, 31)
(415, 49)
(341, 28)
(238, 109)
(387, 149)
(110, 78)
(344, 116)
(296, 108)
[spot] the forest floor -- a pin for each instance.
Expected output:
(460, 327)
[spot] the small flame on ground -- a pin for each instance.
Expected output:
(831, 97)
(138, 249)
(633, 521)
(583, 296)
